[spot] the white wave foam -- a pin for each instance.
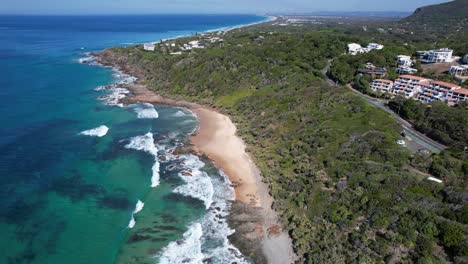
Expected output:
(197, 182)
(138, 207)
(132, 222)
(146, 111)
(187, 250)
(146, 143)
(96, 132)
(115, 95)
(215, 226)
(179, 113)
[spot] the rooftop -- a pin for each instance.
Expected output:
(383, 80)
(446, 84)
(412, 77)
(460, 91)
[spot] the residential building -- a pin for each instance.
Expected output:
(408, 85)
(465, 59)
(373, 46)
(149, 46)
(432, 91)
(459, 70)
(354, 49)
(422, 89)
(382, 85)
(436, 56)
(406, 70)
(457, 95)
(374, 72)
(404, 60)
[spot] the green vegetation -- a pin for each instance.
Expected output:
(437, 120)
(345, 190)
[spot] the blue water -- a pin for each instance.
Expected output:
(69, 198)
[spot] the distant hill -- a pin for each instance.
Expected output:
(444, 18)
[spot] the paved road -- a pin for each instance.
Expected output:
(414, 139)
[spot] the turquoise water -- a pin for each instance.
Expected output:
(68, 197)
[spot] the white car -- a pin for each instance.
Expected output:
(400, 142)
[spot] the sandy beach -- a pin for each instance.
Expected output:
(216, 138)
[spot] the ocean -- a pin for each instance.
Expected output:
(85, 180)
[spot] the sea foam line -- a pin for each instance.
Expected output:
(146, 143)
(138, 207)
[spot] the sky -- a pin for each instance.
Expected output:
(204, 6)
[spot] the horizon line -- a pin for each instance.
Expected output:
(201, 13)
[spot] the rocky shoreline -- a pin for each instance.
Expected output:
(258, 232)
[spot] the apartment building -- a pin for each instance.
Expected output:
(432, 91)
(457, 95)
(408, 85)
(382, 85)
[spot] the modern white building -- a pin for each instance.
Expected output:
(149, 46)
(374, 46)
(406, 70)
(436, 56)
(354, 49)
(459, 70)
(404, 60)
(382, 85)
(195, 44)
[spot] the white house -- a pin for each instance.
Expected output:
(373, 46)
(149, 47)
(406, 70)
(404, 60)
(436, 56)
(354, 49)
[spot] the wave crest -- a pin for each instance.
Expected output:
(96, 132)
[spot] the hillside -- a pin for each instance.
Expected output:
(451, 17)
(345, 190)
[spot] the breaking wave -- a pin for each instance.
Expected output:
(187, 250)
(114, 96)
(207, 239)
(96, 132)
(197, 182)
(146, 143)
(138, 207)
(146, 110)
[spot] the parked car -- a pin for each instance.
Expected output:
(400, 142)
